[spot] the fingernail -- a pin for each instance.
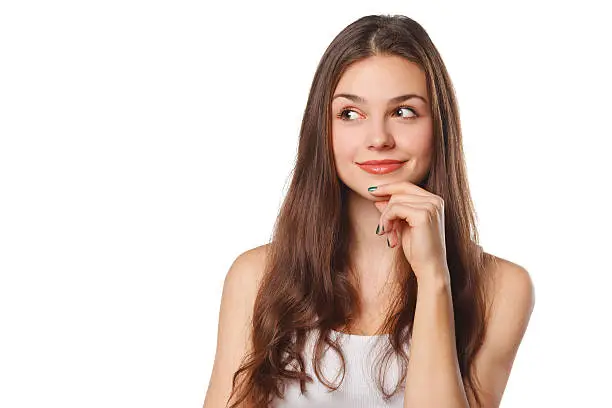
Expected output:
(372, 188)
(377, 228)
(389, 245)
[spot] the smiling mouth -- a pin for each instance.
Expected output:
(383, 168)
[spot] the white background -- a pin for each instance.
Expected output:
(144, 145)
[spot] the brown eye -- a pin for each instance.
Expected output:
(342, 115)
(406, 108)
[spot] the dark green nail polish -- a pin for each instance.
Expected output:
(377, 228)
(388, 244)
(372, 188)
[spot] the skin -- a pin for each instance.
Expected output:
(377, 129)
(415, 219)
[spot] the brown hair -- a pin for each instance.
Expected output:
(307, 283)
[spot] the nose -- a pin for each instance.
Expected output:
(379, 136)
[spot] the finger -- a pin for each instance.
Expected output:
(380, 205)
(395, 233)
(412, 213)
(398, 188)
(431, 201)
(414, 198)
(391, 233)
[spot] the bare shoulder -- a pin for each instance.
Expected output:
(235, 317)
(512, 295)
(512, 299)
(240, 288)
(511, 283)
(247, 270)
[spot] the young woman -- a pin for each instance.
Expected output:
(373, 290)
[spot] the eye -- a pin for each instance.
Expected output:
(342, 115)
(406, 108)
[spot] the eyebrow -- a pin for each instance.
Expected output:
(397, 99)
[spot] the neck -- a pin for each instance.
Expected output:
(369, 252)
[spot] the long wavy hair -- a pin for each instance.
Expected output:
(308, 282)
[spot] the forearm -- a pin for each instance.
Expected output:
(433, 378)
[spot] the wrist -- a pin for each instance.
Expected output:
(436, 279)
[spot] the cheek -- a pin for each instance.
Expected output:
(419, 145)
(417, 140)
(345, 143)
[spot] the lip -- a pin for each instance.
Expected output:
(381, 168)
(385, 161)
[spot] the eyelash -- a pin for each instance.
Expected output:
(339, 115)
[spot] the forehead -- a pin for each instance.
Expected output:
(379, 78)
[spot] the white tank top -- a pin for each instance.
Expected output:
(359, 389)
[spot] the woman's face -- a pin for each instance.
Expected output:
(372, 123)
